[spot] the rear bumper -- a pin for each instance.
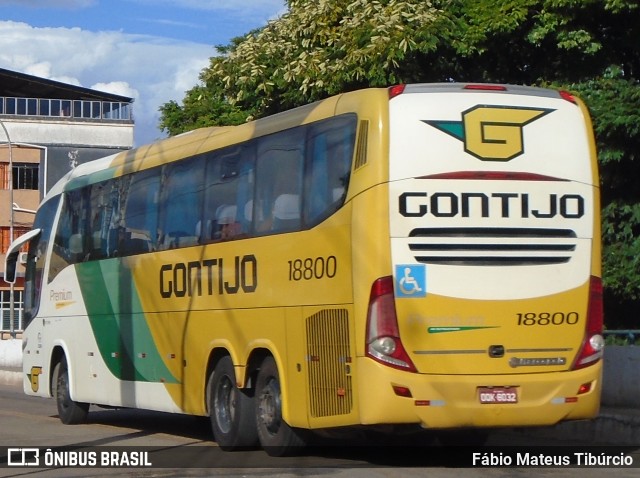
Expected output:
(451, 401)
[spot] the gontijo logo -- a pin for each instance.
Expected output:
(491, 133)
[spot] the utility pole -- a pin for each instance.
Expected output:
(12, 305)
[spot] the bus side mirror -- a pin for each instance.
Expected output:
(13, 255)
(10, 266)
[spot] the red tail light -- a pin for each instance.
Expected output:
(396, 90)
(383, 336)
(492, 176)
(565, 95)
(485, 87)
(593, 343)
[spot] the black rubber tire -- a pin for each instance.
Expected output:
(276, 436)
(69, 411)
(231, 410)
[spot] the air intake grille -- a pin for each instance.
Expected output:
(492, 246)
(361, 147)
(328, 362)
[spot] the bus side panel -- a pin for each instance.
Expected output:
(102, 367)
(266, 312)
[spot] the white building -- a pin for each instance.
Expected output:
(47, 128)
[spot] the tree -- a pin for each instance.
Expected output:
(614, 101)
(322, 47)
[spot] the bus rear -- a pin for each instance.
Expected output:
(493, 313)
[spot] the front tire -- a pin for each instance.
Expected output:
(276, 436)
(69, 411)
(231, 410)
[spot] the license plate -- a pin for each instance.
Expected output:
(498, 395)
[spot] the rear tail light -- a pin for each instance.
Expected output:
(396, 90)
(492, 176)
(485, 87)
(565, 95)
(383, 336)
(593, 343)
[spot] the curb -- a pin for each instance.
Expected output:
(614, 426)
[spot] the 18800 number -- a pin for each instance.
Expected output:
(548, 318)
(313, 268)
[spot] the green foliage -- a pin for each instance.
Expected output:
(614, 101)
(622, 340)
(201, 107)
(322, 47)
(621, 234)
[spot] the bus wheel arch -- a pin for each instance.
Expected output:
(231, 409)
(254, 361)
(57, 354)
(70, 412)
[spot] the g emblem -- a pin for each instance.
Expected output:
(492, 133)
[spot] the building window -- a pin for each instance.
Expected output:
(27, 106)
(45, 107)
(5, 237)
(95, 110)
(4, 177)
(5, 310)
(25, 176)
(11, 106)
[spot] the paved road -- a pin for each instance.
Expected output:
(182, 446)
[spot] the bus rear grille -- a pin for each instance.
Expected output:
(492, 246)
(328, 363)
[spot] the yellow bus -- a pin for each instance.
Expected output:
(422, 255)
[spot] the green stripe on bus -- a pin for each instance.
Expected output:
(125, 341)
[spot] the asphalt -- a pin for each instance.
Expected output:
(613, 427)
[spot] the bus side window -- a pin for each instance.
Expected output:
(69, 245)
(181, 204)
(279, 186)
(228, 194)
(138, 233)
(34, 275)
(330, 150)
(104, 199)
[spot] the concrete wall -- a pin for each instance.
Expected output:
(97, 134)
(621, 380)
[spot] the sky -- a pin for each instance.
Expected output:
(149, 50)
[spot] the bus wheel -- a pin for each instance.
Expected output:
(70, 412)
(276, 436)
(231, 410)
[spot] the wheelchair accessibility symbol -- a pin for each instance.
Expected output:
(411, 280)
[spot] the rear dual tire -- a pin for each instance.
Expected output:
(276, 436)
(240, 421)
(231, 410)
